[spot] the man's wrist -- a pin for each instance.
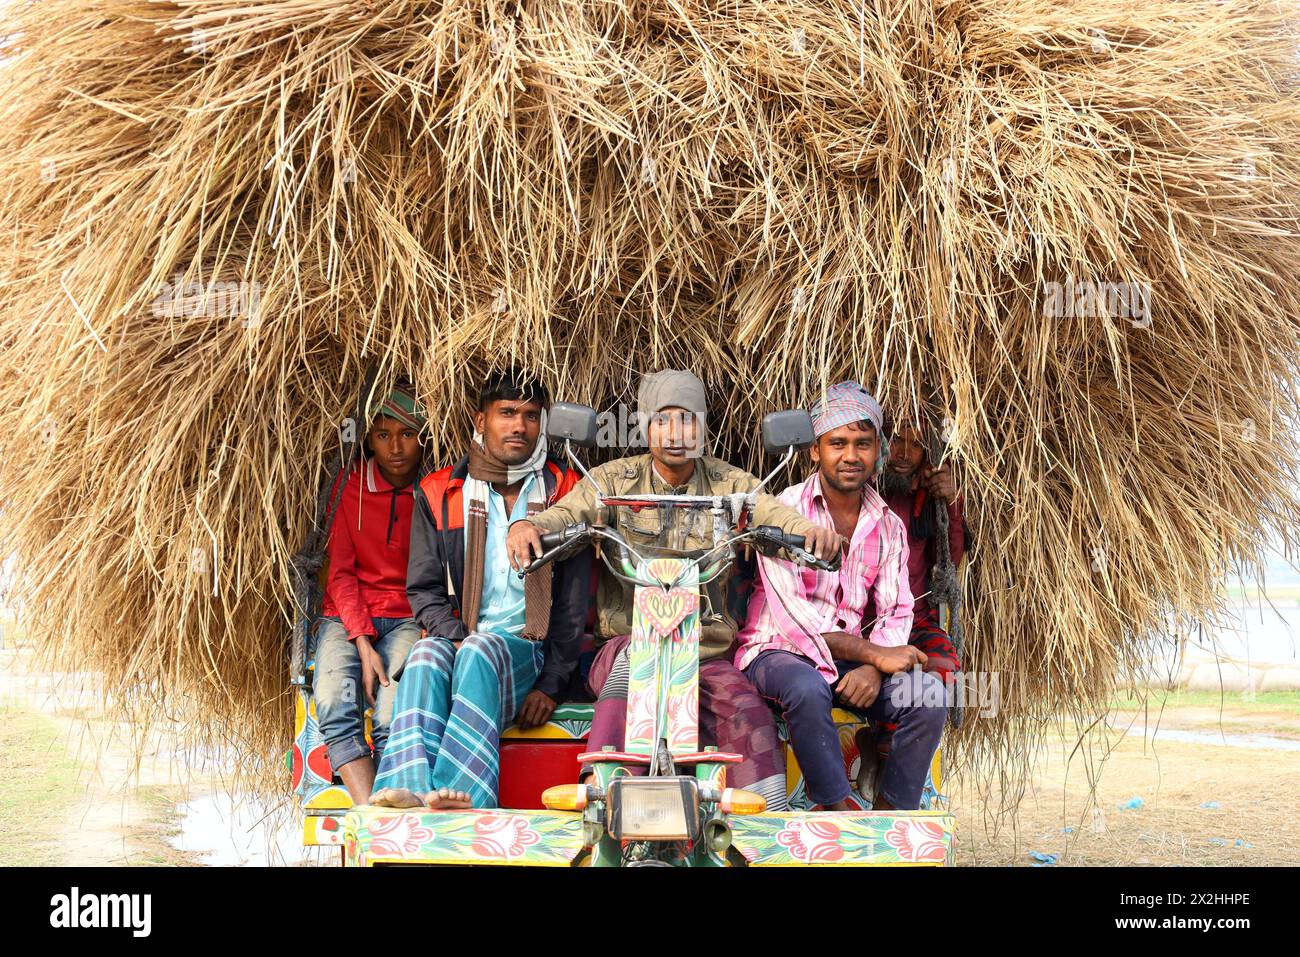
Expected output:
(848, 647)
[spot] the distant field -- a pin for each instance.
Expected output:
(1288, 592)
(1134, 801)
(1281, 580)
(1270, 701)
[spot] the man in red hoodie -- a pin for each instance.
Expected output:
(366, 628)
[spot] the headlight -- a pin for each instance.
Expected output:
(653, 809)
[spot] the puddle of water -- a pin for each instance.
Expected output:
(235, 831)
(1257, 741)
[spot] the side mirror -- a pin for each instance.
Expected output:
(567, 421)
(784, 429)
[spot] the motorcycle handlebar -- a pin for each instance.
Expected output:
(553, 540)
(794, 544)
(554, 544)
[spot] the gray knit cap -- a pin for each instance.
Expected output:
(673, 387)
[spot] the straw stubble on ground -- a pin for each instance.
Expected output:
(74, 792)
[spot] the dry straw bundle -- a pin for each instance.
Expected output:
(1067, 229)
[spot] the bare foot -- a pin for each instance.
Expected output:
(845, 805)
(395, 797)
(445, 799)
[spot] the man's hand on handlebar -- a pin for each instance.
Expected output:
(523, 544)
(823, 542)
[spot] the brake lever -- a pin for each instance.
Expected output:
(798, 552)
(545, 558)
(571, 541)
(812, 561)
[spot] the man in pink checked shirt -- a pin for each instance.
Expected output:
(802, 644)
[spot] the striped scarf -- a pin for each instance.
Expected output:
(486, 470)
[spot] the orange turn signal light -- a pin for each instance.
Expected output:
(740, 801)
(567, 797)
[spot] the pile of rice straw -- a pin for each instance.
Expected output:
(1065, 232)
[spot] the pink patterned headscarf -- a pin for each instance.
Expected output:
(843, 403)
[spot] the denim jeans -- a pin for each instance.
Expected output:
(340, 694)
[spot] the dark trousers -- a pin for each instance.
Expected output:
(912, 701)
(941, 659)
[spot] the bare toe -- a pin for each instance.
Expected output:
(445, 799)
(395, 797)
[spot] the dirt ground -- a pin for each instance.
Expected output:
(1206, 801)
(72, 795)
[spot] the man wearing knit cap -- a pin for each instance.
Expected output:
(732, 716)
(915, 491)
(366, 627)
(674, 401)
(803, 643)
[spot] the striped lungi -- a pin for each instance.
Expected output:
(451, 707)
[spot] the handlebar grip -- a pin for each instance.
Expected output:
(553, 540)
(788, 540)
(794, 545)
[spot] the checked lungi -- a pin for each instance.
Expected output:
(928, 635)
(451, 707)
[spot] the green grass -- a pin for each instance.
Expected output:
(38, 789)
(1271, 701)
(1279, 593)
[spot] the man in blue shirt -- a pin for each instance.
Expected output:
(495, 647)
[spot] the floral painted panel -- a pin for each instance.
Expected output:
(536, 838)
(845, 839)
